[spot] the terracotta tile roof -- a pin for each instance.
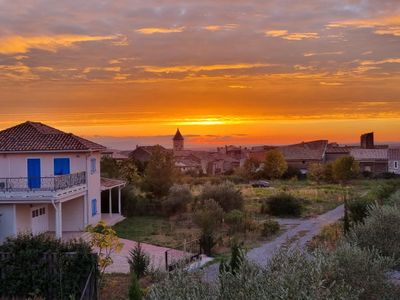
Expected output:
(314, 150)
(335, 148)
(108, 183)
(394, 154)
(37, 137)
(369, 154)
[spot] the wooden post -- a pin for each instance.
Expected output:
(119, 200)
(110, 201)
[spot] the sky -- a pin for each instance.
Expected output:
(249, 72)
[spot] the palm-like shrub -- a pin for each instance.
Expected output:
(138, 261)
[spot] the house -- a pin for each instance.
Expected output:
(116, 154)
(334, 152)
(298, 156)
(394, 160)
(143, 154)
(50, 182)
(374, 161)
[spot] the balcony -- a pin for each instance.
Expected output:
(45, 186)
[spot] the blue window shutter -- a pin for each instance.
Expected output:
(94, 207)
(61, 166)
(92, 165)
(34, 173)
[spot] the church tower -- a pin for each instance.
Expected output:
(178, 141)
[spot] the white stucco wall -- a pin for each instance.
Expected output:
(72, 215)
(24, 217)
(15, 165)
(392, 168)
(94, 189)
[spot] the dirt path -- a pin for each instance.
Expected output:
(301, 232)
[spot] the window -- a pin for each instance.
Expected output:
(92, 165)
(94, 207)
(396, 164)
(61, 166)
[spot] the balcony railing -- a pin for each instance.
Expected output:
(50, 184)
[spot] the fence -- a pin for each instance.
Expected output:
(186, 253)
(87, 288)
(46, 184)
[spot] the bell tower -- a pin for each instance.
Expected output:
(178, 141)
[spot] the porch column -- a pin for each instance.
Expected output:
(110, 201)
(58, 220)
(119, 200)
(85, 210)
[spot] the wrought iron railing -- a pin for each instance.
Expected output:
(55, 183)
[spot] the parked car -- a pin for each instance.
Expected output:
(260, 184)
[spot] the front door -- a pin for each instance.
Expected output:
(40, 219)
(34, 173)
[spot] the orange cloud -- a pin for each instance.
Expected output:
(221, 27)
(294, 36)
(389, 25)
(23, 44)
(153, 30)
(197, 68)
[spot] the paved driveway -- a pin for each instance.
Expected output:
(299, 233)
(156, 254)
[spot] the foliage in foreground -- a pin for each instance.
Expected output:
(380, 230)
(27, 270)
(348, 273)
(138, 261)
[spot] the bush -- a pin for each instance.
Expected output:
(358, 209)
(235, 219)
(225, 194)
(138, 261)
(380, 230)
(284, 205)
(383, 191)
(27, 271)
(177, 200)
(328, 238)
(348, 273)
(362, 269)
(270, 227)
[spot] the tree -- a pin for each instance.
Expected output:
(344, 169)
(249, 169)
(275, 164)
(208, 218)
(109, 167)
(160, 173)
(316, 172)
(129, 171)
(226, 194)
(178, 198)
(135, 293)
(236, 261)
(105, 241)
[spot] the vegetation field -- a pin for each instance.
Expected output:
(175, 230)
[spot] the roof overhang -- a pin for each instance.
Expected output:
(108, 183)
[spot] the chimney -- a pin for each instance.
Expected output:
(367, 141)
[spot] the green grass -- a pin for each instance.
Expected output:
(156, 230)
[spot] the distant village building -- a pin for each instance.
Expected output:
(143, 154)
(178, 141)
(394, 160)
(299, 156)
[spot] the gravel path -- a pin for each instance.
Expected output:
(299, 233)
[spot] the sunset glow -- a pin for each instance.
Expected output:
(224, 72)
